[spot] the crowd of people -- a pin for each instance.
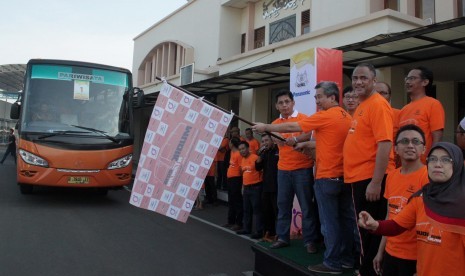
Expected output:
(387, 193)
(375, 183)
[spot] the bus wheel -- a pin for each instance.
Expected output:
(25, 188)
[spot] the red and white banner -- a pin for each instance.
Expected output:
(182, 138)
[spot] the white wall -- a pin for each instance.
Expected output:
(196, 24)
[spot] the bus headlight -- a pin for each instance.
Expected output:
(120, 163)
(32, 159)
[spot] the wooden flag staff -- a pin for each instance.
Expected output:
(219, 107)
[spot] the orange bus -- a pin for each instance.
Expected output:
(74, 126)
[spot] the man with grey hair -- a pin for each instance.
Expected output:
(331, 125)
(367, 151)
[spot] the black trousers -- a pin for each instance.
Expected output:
(235, 202)
(377, 210)
(9, 150)
(210, 189)
(270, 211)
(398, 267)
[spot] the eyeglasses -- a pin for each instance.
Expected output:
(406, 141)
(351, 97)
(443, 160)
(411, 78)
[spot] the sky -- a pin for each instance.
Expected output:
(99, 31)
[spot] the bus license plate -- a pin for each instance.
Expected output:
(78, 180)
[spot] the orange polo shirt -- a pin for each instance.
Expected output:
(289, 159)
(254, 145)
(249, 174)
(399, 188)
(331, 127)
(234, 169)
(371, 124)
(428, 114)
(439, 252)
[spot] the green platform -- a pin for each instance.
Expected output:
(294, 257)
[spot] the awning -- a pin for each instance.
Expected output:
(263, 75)
(434, 41)
(438, 40)
(12, 76)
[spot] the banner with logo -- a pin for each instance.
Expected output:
(182, 138)
(309, 68)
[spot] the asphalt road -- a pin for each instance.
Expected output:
(72, 232)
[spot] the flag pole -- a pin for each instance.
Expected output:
(219, 107)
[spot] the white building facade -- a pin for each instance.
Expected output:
(239, 50)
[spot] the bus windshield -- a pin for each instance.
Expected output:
(61, 98)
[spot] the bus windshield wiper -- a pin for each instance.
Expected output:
(98, 131)
(61, 132)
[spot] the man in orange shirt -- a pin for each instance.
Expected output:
(334, 198)
(222, 163)
(254, 145)
(423, 111)
(295, 178)
(366, 153)
(397, 255)
(384, 90)
(234, 182)
(252, 193)
(350, 100)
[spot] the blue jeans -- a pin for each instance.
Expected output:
(299, 183)
(337, 217)
(253, 208)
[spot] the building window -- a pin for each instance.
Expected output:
(425, 9)
(282, 29)
(391, 4)
(242, 43)
(164, 60)
(305, 22)
(259, 40)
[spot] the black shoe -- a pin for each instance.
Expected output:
(321, 268)
(279, 244)
(311, 248)
(256, 236)
(227, 225)
(236, 227)
(243, 232)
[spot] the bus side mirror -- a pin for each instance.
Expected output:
(140, 97)
(14, 111)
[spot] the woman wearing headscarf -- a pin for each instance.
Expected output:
(437, 212)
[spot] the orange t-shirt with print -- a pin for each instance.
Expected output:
(331, 127)
(234, 169)
(372, 123)
(428, 114)
(439, 252)
(289, 159)
(254, 145)
(249, 174)
(399, 188)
